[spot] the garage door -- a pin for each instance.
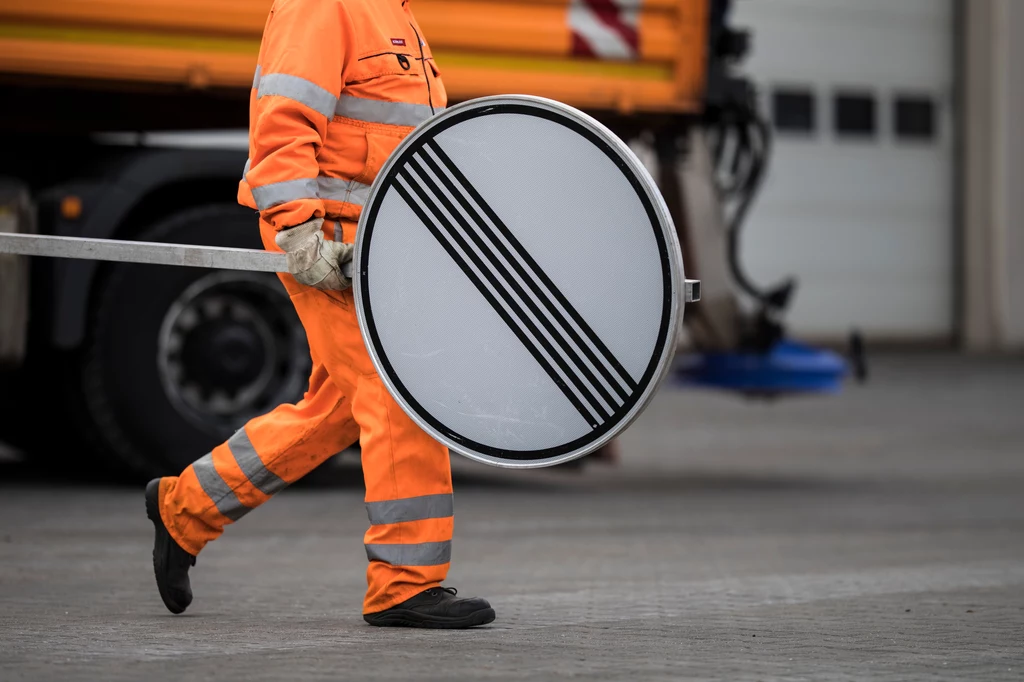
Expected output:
(859, 201)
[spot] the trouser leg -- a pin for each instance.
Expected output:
(407, 473)
(259, 460)
(408, 499)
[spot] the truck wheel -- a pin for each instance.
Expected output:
(178, 358)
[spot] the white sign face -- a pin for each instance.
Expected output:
(517, 281)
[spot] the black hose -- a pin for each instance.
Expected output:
(745, 169)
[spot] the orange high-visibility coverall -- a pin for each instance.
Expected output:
(338, 84)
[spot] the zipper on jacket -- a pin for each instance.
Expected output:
(403, 58)
(423, 60)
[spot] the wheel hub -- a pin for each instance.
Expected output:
(230, 348)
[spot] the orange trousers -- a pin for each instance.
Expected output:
(407, 473)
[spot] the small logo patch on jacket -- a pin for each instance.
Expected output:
(398, 41)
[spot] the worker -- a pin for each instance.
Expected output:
(338, 84)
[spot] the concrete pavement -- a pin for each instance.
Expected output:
(878, 534)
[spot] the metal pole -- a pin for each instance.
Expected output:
(219, 257)
(189, 255)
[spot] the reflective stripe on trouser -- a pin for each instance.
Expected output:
(407, 474)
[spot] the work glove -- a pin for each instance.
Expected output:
(313, 260)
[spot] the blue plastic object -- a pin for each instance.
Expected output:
(788, 367)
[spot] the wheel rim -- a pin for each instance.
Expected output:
(231, 348)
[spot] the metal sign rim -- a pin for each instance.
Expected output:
(676, 276)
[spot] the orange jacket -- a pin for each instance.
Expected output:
(338, 84)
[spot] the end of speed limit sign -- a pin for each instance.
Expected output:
(518, 281)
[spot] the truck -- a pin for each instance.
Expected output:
(126, 120)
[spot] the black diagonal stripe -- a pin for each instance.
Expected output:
(506, 278)
(498, 308)
(567, 329)
(495, 282)
(532, 264)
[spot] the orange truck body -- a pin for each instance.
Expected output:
(483, 47)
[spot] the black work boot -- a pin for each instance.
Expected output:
(438, 607)
(170, 561)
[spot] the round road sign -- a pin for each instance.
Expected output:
(518, 279)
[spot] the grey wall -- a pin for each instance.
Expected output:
(1013, 159)
(993, 175)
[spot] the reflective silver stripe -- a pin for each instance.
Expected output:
(390, 113)
(252, 466)
(335, 189)
(216, 487)
(256, 78)
(338, 189)
(248, 165)
(423, 554)
(276, 193)
(411, 509)
(300, 90)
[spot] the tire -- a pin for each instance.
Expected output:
(177, 358)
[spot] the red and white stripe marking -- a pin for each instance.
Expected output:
(605, 29)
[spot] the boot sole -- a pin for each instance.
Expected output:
(412, 619)
(153, 513)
